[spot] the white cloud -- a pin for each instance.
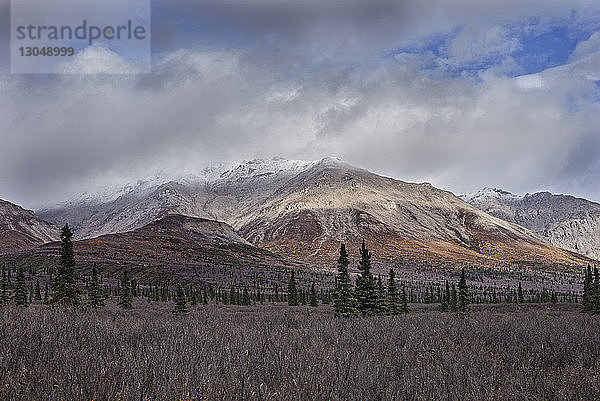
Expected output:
(530, 81)
(587, 47)
(98, 60)
(479, 43)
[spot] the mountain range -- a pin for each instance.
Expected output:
(561, 220)
(301, 211)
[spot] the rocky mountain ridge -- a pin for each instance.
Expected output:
(561, 220)
(21, 229)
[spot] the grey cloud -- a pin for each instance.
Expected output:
(302, 82)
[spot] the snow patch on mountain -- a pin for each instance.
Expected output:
(489, 193)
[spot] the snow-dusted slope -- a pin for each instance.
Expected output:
(302, 210)
(21, 229)
(219, 193)
(561, 220)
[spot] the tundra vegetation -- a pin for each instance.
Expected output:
(278, 352)
(100, 336)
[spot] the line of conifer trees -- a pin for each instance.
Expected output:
(456, 301)
(369, 296)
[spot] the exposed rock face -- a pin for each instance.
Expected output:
(561, 220)
(303, 210)
(20, 229)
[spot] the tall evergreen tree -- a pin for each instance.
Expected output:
(381, 298)
(125, 294)
(276, 291)
(446, 298)
(20, 296)
(4, 288)
(463, 295)
(193, 297)
(95, 296)
(46, 294)
(520, 297)
(344, 303)
(595, 298)
(403, 301)
(180, 301)
(246, 297)
(393, 298)
(453, 299)
(314, 301)
(366, 295)
(292, 292)
(587, 301)
(233, 296)
(38, 291)
(66, 291)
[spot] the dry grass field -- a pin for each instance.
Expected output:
(273, 352)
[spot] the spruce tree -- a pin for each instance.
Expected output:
(445, 304)
(66, 291)
(393, 298)
(520, 298)
(314, 301)
(4, 288)
(193, 297)
(463, 295)
(344, 303)
(588, 283)
(246, 297)
(292, 293)
(125, 294)
(595, 298)
(453, 299)
(381, 300)
(233, 298)
(95, 297)
(46, 294)
(180, 301)
(20, 296)
(38, 292)
(366, 296)
(404, 301)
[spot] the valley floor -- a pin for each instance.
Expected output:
(273, 352)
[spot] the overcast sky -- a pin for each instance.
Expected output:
(460, 93)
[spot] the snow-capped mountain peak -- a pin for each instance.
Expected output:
(488, 193)
(263, 167)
